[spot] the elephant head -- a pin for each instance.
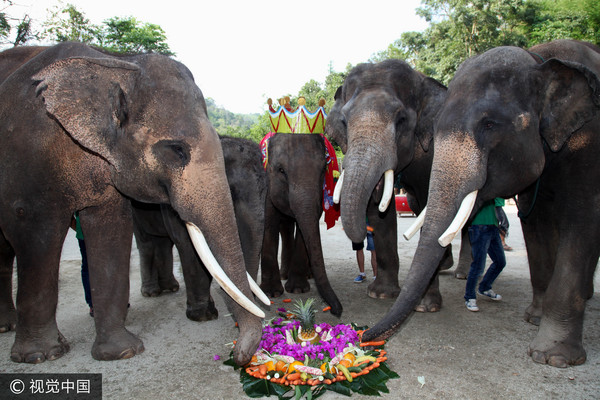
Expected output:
(503, 114)
(381, 117)
(145, 117)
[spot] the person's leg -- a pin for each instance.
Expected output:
(479, 243)
(371, 248)
(85, 275)
(496, 253)
(360, 260)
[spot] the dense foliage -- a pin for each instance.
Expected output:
(457, 29)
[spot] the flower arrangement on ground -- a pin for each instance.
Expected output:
(296, 355)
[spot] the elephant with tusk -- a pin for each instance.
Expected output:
(83, 130)
(524, 123)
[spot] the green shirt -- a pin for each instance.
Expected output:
(487, 214)
(79, 232)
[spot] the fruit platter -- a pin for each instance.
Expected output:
(298, 358)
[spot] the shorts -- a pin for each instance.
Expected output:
(361, 245)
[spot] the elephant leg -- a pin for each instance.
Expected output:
(465, 257)
(298, 273)
(559, 341)
(8, 313)
(432, 300)
(287, 229)
(385, 237)
(270, 281)
(155, 248)
(37, 336)
(108, 260)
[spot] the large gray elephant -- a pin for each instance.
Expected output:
(82, 130)
(296, 171)
(158, 227)
(523, 123)
(383, 120)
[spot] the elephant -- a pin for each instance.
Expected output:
(158, 227)
(296, 171)
(85, 131)
(383, 120)
(526, 124)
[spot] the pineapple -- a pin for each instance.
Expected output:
(305, 313)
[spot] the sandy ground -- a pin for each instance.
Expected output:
(460, 354)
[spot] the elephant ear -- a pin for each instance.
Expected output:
(335, 129)
(432, 96)
(88, 97)
(570, 95)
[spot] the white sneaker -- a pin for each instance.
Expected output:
(472, 305)
(491, 294)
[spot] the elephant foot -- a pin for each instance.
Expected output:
(117, 346)
(376, 290)
(169, 285)
(272, 289)
(206, 312)
(39, 350)
(559, 355)
(151, 290)
(424, 307)
(8, 321)
(533, 315)
(297, 285)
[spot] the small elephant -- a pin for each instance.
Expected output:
(84, 131)
(296, 171)
(523, 123)
(383, 120)
(158, 227)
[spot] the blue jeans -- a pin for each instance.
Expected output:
(85, 274)
(485, 239)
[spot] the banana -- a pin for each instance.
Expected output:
(345, 372)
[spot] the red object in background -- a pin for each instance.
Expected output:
(402, 205)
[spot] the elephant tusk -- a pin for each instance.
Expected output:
(388, 190)
(338, 189)
(412, 230)
(217, 272)
(459, 220)
(258, 291)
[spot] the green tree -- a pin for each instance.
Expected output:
(22, 28)
(121, 35)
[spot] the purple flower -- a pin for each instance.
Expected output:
(216, 357)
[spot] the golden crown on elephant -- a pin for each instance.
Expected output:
(286, 119)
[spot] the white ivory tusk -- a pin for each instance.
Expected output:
(217, 272)
(459, 220)
(258, 291)
(338, 189)
(412, 230)
(388, 190)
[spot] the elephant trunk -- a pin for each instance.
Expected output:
(364, 166)
(203, 200)
(457, 171)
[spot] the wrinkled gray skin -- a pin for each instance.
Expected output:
(383, 119)
(296, 170)
(157, 231)
(513, 119)
(81, 130)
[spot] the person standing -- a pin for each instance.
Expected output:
(360, 256)
(85, 274)
(484, 236)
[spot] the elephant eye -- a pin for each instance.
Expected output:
(173, 153)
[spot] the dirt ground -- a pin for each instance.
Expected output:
(460, 354)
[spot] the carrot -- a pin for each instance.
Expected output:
(327, 308)
(293, 376)
(353, 375)
(382, 353)
(312, 382)
(262, 369)
(327, 381)
(297, 382)
(287, 300)
(381, 359)
(365, 344)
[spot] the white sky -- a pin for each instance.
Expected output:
(242, 52)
